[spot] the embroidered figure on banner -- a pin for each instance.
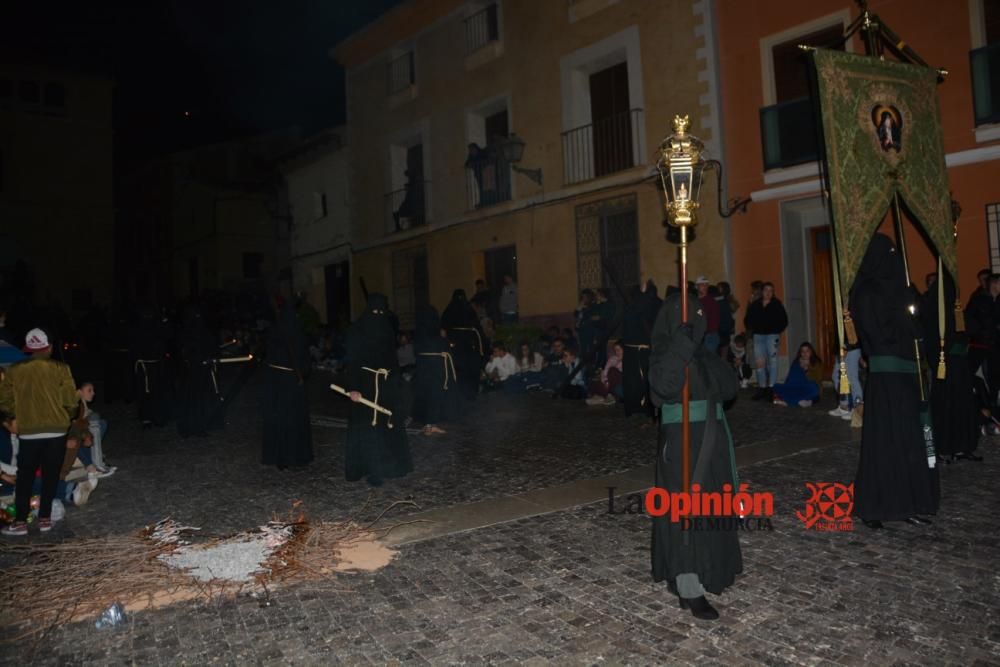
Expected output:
(888, 127)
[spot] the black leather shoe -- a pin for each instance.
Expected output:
(919, 521)
(874, 524)
(700, 608)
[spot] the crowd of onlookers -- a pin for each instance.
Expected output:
(51, 440)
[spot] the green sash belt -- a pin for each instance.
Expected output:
(959, 350)
(887, 364)
(670, 413)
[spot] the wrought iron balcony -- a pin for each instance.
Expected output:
(400, 73)
(604, 147)
(481, 28)
(487, 180)
(788, 134)
(986, 83)
(406, 208)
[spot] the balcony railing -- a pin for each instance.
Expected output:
(788, 134)
(400, 74)
(487, 180)
(604, 147)
(406, 208)
(986, 83)
(481, 28)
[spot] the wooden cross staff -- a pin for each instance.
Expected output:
(364, 401)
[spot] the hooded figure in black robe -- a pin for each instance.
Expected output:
(435, 384)
(637, 326)
(954, 404)
(692, 561)
(287, 431)
(460, 322)
(375, 449)
(894, 481)
(199, 398)
(147, 355)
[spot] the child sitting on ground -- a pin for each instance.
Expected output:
(609, 388)
(577, 387)
(501, 366)
(737, 357)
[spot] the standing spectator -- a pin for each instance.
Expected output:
(851, 402)
(767, 319)
(983, 325)
(728, 305)
(508, 300)
(585, 330)
(983, 283)
(39, 396)
(710, 307)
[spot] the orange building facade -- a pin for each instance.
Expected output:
(771, 148)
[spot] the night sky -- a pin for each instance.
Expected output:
(236, 66)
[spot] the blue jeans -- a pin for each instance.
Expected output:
(711, 342)
(853, 360)
(765, 347)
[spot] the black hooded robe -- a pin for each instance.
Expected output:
(287, 435)
(954, 405)
(435, 385)
(374, 450)
(637, 325)
(147, 355)
(198, 398)
(714, 555)
(459, 320)
(894, 481)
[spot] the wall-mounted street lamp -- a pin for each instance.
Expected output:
(682, 169)
(512, 150)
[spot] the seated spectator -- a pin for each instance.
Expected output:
(737, 358)
(554, 372)
(404, 353)
(609, 389)
(529, 366)
(92, 455)
(577, 387)
(801, 386)
(501, 367)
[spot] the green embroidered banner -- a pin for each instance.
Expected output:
(882, 128)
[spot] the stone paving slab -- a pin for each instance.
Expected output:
(573, 587)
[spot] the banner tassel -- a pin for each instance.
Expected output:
(849, 332)
(845, 385)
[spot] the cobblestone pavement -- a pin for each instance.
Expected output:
(570, 587)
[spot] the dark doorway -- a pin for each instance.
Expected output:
(338, 294)
(496, 126)
(612, 124)
(500, 262)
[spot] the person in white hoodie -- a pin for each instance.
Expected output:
(501, 366)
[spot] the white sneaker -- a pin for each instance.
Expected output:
(610, 400)
(840, 412)
(106, 472)
(744, 384)
(82, 492)
(805, 404)
(849, 416)
(595, 400)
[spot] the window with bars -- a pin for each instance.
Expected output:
(400, 73)
(482, 28)
(993, 234)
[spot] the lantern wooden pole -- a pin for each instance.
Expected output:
(686, 391)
